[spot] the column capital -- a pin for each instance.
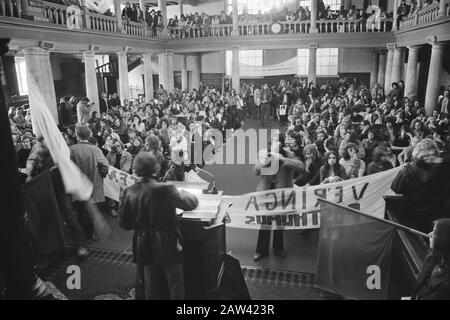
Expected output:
(148, 55)
(433, 41)
(122, 53)
(391, 46)
(36, 51)
(88, 54)
(313, 46)
(235, 46)
(414, 47)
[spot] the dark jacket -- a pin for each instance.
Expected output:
(149, 208)
(433, 282)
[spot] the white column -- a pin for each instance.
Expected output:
(397, 65)
(411, 72)
(148, 76)
(196, 74)
(312, 74)
(142, 5)
(419, 4)
(124, 87)
(180, 6)
(118, 14)
(162, 5)
(225, 6)
(91, 80)
(235, 31)
(347, 4)
(442, 5)
(313, 28)
(184, 73)
(381, 68)
(374, 69)
(38, 67)
(235, 77)
(434, 75)
(165, 61)
(395, 14)
(388, 73)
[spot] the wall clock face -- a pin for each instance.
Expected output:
(276, 28)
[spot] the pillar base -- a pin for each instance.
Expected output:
(313, 30)
(234, 33)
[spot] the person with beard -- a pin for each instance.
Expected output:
(424, 184)
(288, 165)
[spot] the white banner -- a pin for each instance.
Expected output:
(298, 207)
(289, 208)
(286, 67)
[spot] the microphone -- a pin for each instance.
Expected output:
(213, 189)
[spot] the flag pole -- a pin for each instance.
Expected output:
(403, 227)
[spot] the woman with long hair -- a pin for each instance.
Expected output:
(332, 171)
(311, 175)
(434, 279)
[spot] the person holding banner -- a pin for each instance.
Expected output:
(434, 278)
(289, 166)
(149, 208)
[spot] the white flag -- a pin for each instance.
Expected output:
(75, 182)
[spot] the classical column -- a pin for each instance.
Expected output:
(411, 72)
(388, 73)
(124, 87)
(225, 6)
(374, 69)
(347, 4)
(184, 73)
(148, 76)
(91, 80)
(196, 74)
(118, 14)
(39, 70)
(180, 6)
(235, 77)
(419, 4)
(434, 74)
(397, 65)
(381, 68)
(162, 5)
(442, 7)
(313, 28)
(395, 14)
(235, 31)
(165, 61)
(312, 76)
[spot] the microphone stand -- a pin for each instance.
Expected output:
(213, 189)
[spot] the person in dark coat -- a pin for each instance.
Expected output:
(65, 112)
(434, 279)
(379, 161)
(424, 183)
(105, 105)
(149, 208)
(289, 165)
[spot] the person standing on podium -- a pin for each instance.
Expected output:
(288, 166)
(149, 208)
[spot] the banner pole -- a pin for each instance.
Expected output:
(411, 230)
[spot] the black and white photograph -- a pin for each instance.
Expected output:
(225, 156)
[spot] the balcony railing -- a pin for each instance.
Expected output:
(100, 22)
(284, 27)
(424, 15)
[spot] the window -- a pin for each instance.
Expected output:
(334, 4)
(250, 57)
(21, 71)
(326, 61)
